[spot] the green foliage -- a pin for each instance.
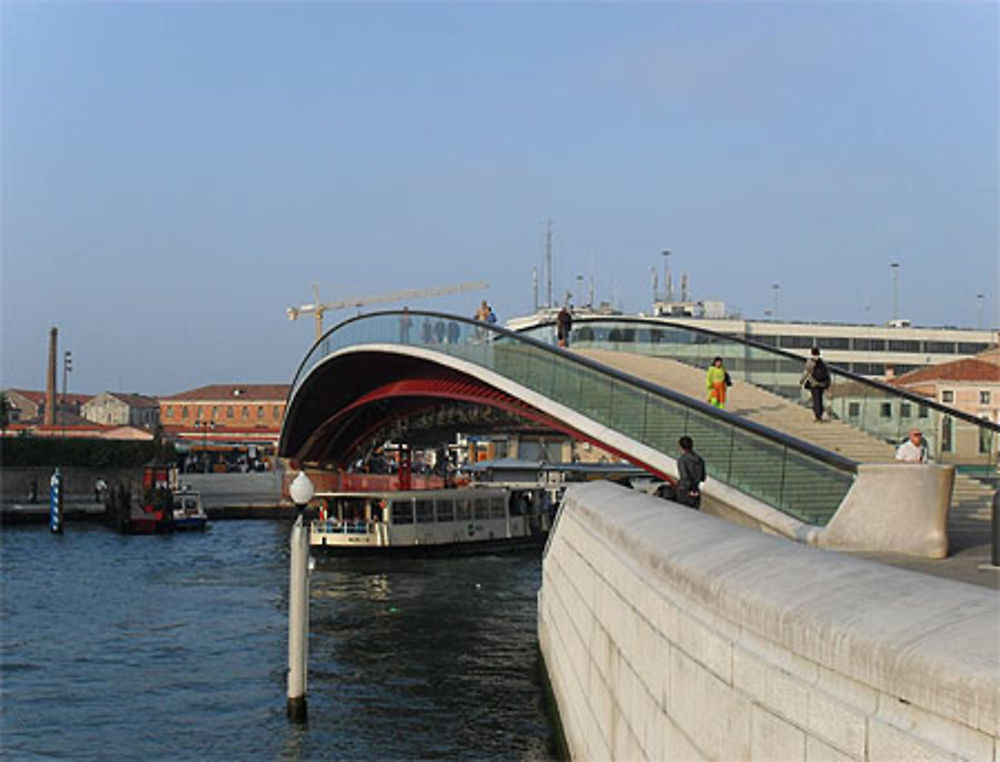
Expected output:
(88, 453)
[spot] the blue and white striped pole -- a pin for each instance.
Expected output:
(55, 502)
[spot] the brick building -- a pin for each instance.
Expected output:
(225, 426)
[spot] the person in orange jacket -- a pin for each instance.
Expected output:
(715, 382)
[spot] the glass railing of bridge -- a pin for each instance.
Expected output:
(885, 412)
(788, 474)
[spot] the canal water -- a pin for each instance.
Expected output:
(175, 647)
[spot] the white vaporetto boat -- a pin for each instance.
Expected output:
(445, 522)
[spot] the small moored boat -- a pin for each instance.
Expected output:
(188, 511)
(445, 522)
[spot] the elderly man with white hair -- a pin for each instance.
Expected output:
(913, 449)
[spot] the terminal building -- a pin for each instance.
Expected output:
(880, 351)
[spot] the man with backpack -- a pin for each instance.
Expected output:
(816, 378)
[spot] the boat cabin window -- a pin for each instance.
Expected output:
(481, 509)
(425, 511)
(463, 509)
(497, 508)
(445, 510)
(518, 504)
(401, 512)
(350, 511)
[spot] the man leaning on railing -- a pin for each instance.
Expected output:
(913, 449)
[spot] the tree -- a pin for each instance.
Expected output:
(4, 413)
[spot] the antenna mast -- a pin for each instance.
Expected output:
(548, 264)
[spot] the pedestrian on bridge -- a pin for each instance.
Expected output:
(913, 450)
(690, 474)
(716, 381)
(816, 378)
(564, 323)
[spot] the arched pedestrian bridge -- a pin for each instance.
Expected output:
(407, 375)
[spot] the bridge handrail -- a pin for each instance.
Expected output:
(806, 448)
(728, 442)
(890, 429)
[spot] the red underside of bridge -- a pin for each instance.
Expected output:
(430, 389)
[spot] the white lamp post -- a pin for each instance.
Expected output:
(301, 492)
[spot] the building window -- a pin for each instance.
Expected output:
(947, 396)
(853, 409)
(797, 342)
(229, 411)
(276, 412)
(184, 412)
(215, 411)
(971, 348)
(904, 410)
(903, 345)
(260, 412)
(946, 439)
(940, 347)
(922, 411)
(169, 411)
(245, 412)
(984, 398)
(836, 342)
(985, 438)
(885, 410)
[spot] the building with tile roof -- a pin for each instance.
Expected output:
(28, 405)
(222, 425)
(971, 385)
(121, 409)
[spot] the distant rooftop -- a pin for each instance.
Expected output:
(248, 392)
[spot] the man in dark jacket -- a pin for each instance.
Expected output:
(816, 378)
(564, 322)
(690, 473)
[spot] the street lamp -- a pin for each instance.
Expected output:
(895, 288)
(979, 310)
(204, 426)
(301, 491)
(776, 286)
(668, 287)
(67, 369)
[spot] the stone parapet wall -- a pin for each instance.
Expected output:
(670, 634)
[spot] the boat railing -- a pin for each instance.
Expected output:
(332, 526)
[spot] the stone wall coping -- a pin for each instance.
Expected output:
(924, 640)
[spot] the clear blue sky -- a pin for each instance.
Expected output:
(176, 175)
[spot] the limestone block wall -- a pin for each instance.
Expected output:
(671, 634)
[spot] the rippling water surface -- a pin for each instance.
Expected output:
(175, 647)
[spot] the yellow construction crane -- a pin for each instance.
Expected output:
(317, 309)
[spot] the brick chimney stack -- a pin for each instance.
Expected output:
(50, 381)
